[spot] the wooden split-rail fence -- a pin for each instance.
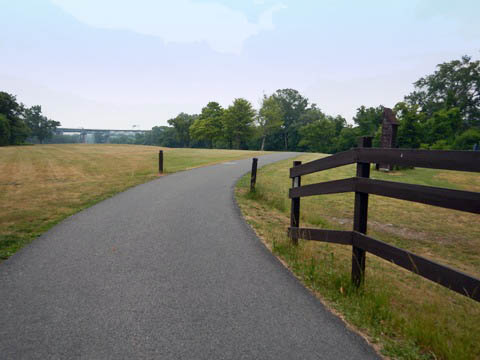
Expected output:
(362, 185)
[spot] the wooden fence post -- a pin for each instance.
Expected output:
(253, 174)
(360, 218)
(160, 161)
(295, 207)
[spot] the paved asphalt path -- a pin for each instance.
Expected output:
(165, 270)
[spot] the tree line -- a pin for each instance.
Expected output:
(443, 112)
(19, 123)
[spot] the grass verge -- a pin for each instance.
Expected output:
(406, 316)
(43, 184)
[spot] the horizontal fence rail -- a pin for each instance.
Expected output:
(362, 185)
(447, 198)
(433, 159)
(444, 275)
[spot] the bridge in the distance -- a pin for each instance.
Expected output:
(106, 132)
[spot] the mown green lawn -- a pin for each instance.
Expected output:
(407, 316)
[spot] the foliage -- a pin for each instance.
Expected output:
(467, 140)
(208, 126)
(318, 134)
(443, 112)
(270, 117)
(409, 130)
(368, 120)
(238, 122)
(16, 130)
(41, 127)
(63, 139)
(181, 123)
(443, 125)
(456, 84)
(4, 130)
(294, 106)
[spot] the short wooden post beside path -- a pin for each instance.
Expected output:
(253, 174)
(160, 161)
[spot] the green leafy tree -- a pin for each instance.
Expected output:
(368, 120)
(270, 118)
(455, 84)
(4, 130)
(181, 123)
(208, 126)
(442, 127)
(13, 111)
(410, 129)
(122, 139)
(348, 138)
(238, 122)
(41, 127)
(294, 105)
(318, 136)
(467, 140)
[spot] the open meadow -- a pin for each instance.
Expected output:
(41, 185)
(407, 316)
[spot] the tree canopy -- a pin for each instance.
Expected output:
(442, 112)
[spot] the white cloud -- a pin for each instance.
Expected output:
(182, 21)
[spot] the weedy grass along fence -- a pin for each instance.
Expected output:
(362, 185)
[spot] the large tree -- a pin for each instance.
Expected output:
(320, 132)
(14, 128)
(181, 123)
(4, 130)
(41, 127)
(208, 126)
(410, 130)
(318, 135)
(368, 120)
(294, 106)
(270, 117)
(238, 122)
(455, 84)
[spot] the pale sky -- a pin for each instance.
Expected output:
(118, 63)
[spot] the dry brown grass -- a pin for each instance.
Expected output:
(41, 185)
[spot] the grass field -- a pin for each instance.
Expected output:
(407, 316)
(41, 185)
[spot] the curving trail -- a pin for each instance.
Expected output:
(165, 270)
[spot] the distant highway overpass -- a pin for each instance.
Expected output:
(107, 132)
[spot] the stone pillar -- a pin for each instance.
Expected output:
(389, 134)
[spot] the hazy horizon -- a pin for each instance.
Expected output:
(115, 64)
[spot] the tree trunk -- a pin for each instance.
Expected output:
(263, 143)
(285, 136)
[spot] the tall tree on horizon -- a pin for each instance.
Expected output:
(181, 123)
(455, 84)
(41, 127)
(294, 106)
(238, 122)
(270, 117)
(208, 126)
(12, 125)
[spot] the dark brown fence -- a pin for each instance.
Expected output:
(362, 185)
